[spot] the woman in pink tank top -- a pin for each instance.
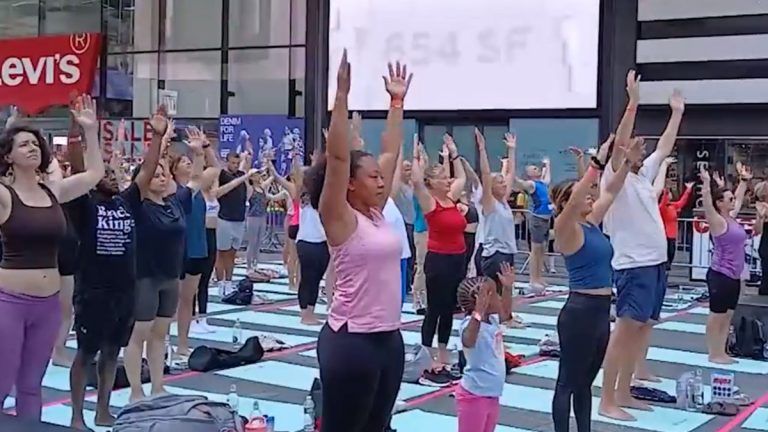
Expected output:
(360, 348)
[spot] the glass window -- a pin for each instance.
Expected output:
(433, 140)
(196, 78)
(298, 81)
(74, 16)
(131, 85)
(494, 144)
(298, 22)
(19, 18)
(259, 23)
(259, 80)
(132, 25)
(192, 24)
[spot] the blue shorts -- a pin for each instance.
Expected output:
(640, 292)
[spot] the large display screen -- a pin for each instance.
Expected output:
(469, 54)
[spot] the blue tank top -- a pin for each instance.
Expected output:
(419, 223)
(197, 246)
(590, 266)
(540, 205)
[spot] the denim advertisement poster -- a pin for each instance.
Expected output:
(276, 137)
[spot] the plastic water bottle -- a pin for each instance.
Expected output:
(270, 423)
(255, 412)
(690, 390)
(237, 335)
(309, 415)
(698, 390)
(731, 341)
(232, 398)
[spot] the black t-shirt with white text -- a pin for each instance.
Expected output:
(232, 204)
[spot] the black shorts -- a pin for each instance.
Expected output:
(194, 266)
(103, 318)
(491, 266)
(293, 231)
(724, 292)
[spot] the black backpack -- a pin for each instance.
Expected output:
(242, 296)
(750, 339)
(206, 359)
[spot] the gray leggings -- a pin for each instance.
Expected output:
(257, 229)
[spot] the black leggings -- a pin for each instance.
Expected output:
(313, 262)
(360, 374)
(584, 326)
(201, 300)
(671, 249)
(469, 242)
(443, 274)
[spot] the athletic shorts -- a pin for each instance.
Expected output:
(103, 318)
(538, 229)
(491, 266)
(293, 231)
(724, 292)
(156, 298)
(229, 235)
(194, 266)
(640, 292)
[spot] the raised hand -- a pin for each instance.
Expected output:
(357, 122)
(84, 112)
(670, 160)
(344, 76)
(196, 139)
(576, 151)
(480, 140)
(253, 172)
(633, 86)
(634, 151)
(704, 176)
(506, 275)
(444, 152)
(450, 144)
(605, 147)
(545, 161)
(689, 185)
(677, 102)
(744, 171)
(718, 179)
(398, 82)
(159, 121)
(483, 300)
(510, 140)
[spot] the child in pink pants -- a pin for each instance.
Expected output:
(477, 397)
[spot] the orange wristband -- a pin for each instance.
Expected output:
(396, 103)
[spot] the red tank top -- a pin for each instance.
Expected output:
(445, 227)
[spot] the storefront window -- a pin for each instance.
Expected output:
(131, 85)
(259, 80)
(298, 82)
(74, 16)
(195, 76)
(191, 24)
(298, 22)
(259, 23)
(19, 18)
(132, 25)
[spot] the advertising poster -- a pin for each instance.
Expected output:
(275, 136)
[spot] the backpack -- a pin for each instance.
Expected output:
(417, 360)
(750, 339)
(174, 413)
(242, 295)
(205, 358)
(121, 378)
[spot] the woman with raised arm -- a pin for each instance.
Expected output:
(292, 184)
(195, 172)
(360, 349)
(670, 210)
(256, 222)
(584, 325)
(32, 225)
(721, 207)
(499, 240)
(444, 264)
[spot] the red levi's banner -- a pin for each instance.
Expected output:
(37, 73)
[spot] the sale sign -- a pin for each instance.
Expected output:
(37, 73)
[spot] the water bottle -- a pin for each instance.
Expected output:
(168, 352)
(698, 390)
(731, 341)
(255, 412)
(270, 423)
(237, 335)
(309, 415)
(232, 398)
(690, 390)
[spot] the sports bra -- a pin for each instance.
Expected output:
(31, 235)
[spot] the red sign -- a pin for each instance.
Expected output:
(37, 73)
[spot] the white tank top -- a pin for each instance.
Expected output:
(212, 208)
(310, 228)
(393, 216)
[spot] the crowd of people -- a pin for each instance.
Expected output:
(375, 228)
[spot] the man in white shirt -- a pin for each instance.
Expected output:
(637, 234)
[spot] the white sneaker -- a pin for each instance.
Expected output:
(222, 285)
(205, 327)
(196, 327)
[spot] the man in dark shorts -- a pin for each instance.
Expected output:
(104, 291)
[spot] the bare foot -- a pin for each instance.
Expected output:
(158, 391)
(135, 397)
(312, 322)
(105, 420)
(722, 360)
(648, 378)
(615, 413)
(79, 424)
(633, 404)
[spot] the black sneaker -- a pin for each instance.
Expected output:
(452, 373)
(421, 311)
(432, 379)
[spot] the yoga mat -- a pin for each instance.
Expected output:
(269, 319)
(549, 369)
(301, 377)
(519, 349)
(757, 421)
(62, 415)
(56, 377)
(10, 402)
(224, 334)
(702, 361)
(323, 310)
(287, 416)
(221, 307)
(683, 327)
(420, 421)
(660, 420)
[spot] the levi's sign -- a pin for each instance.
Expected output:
(37, 73)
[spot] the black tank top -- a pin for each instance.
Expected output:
(31, 235)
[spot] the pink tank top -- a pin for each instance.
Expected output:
(367, 294)
(294, 214)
